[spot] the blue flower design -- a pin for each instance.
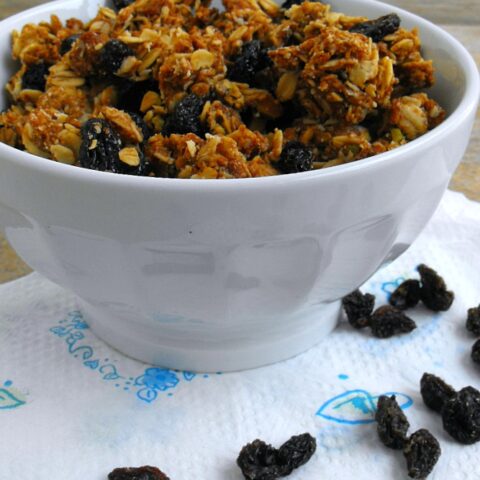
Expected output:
(157, 379)
(153, 381)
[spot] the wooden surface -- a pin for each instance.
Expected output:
(461, 18)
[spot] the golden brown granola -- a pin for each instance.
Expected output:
(189, 91)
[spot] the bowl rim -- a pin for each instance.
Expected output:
(465, 108)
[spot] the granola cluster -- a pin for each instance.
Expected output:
(176, 88)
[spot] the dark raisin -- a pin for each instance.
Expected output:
(476, 352)
(100, 146)
(130, 94)
(289, 3)
(185, 117)
(35, 77)
(163, 169)
(67, 43)
(422, 452)
(138, 119)
(433, 292)
(112, 55)
(406, 295)
(128, 169)
(358, 307)
(473, 320)
(259, 461)
(291, 111)
(392, 424)
(435, 392)
(295, 157)
(387, 321)
(376, 123)
(461, 416)
(379, 28)
(296, 452)
(252, 59)
(119, 4)
(140, 473)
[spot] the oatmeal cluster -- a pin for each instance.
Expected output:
(176, 88)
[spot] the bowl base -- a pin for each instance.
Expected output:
(213, 356)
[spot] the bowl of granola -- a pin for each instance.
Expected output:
(210, 182)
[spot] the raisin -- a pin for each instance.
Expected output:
(185, 118)
(163, 169)
(131, 93)
(138, 119)
(112, 55)
(435, 392)
(406, 295)
(476, 352)
(141, 169)
(67, 43)
(289, 3)
(295, 157)
(473, 320)
(259, 461)
(296, 452)
(422, 452)
(291, 111)
(433, 292)
(461, 416)
(252, 59)
(392, 424)
(35, 77)
(376, 123)
(387, 321)
(358, 307)
(379, 28)
(140, 473)
(119, 4)
(100, 146)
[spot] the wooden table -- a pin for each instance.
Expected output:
(461, 18)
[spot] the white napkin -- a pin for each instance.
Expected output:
(73, 408)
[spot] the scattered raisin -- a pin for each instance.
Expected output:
(387, 321)
(35, 77)
(138, 119)
(100, 146)
(185, 118)
(130, 94)
(435, 392)
(119, 4)
(406, 295)
(140, 473)
(461, 416)
(379, 28)
(291, 111)
(289, 3)
(252, 59)
(358, 308)
(376, 122)
(473, 320)
(259, 461)
(295, 157)
(392, 424)
(476, 352)
(112, 55)
(422, 452)
(67, 43)
(433, 292)
(296, 452)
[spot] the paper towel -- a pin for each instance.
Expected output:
(73, 408)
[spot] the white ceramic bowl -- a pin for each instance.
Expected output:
(222, 275)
